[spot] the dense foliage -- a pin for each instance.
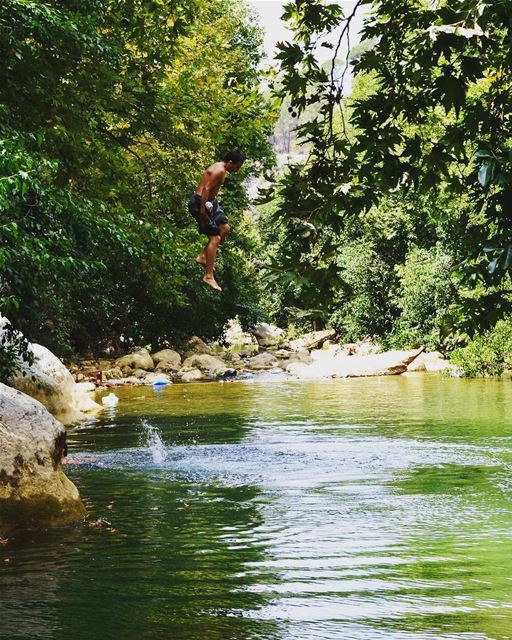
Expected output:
(108, 114)
(399, 225)
(489, 354)
(14, 347)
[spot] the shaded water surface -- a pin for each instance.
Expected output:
(349, 509)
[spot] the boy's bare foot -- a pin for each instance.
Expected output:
(210, 281)
(201, 259)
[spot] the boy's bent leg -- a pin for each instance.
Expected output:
(211, 253)
(224, 230)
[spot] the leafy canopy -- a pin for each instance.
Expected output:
(437, 120)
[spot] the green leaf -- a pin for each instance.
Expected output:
(485, 174)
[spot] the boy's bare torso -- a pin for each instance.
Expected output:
(212, 180)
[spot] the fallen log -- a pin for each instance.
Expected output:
(328, 364)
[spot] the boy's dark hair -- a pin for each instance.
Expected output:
(234, 156)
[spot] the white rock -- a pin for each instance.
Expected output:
(85, 387)
(435, 361)
(110, 401)
(296, 368)
(340, 366)
(48, 381)
(324, 355)
(84, 397)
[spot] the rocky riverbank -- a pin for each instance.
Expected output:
(244, 355)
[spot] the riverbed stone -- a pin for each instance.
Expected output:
(127, 381)
(139, 359)
(283, 354)
(105, 364)
(232, 358)
(157, 377)
(116, 382)
(227, 374)
(34, 490)
(418, 364)
(190, 375)
(312, 340)
(113, 374)
(295, 356)
(204, 362)
(268, 335)
(84, 397)
(166, 360)
(261, 361)
(295, 368)
(196, 346)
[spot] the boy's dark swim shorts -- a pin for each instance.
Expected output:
(217, 216)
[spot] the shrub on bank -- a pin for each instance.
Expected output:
(424, 294)
(489, 354)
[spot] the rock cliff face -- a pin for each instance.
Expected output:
(33, 488)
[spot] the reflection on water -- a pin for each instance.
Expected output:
(351, 510)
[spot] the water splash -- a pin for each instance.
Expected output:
(153, 442)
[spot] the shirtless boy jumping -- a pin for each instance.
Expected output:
(207, 211)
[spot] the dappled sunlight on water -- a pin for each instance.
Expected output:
(349, 509)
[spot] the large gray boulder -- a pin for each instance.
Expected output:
(191, 375)
(166, 360)
(268, 335)
(261, 362)
(196, 346)
(139, 359)
(33, 488)
(287, 357)
(204, 362)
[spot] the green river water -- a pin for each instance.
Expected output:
(365, 509)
